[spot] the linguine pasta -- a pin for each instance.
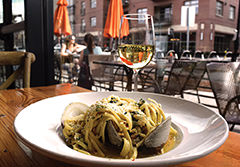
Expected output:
(132, 120)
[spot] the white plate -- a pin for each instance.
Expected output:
(203, 130)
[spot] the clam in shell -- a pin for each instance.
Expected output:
(74, 111)
(156, 138)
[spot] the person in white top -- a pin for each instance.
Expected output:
(70, 54)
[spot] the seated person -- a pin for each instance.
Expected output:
(70, 47)
(69, 50)
(84, 79)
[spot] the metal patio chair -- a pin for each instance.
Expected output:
(212, 55)
(198, 54)
(186, 55)
(180, 72)
(195, 79)
(104, 76)
(224, 80)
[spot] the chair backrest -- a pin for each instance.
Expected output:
(196, 76)
(23, 60)
(224, 80)
(198, 54)
(98, 70)
(171, 55)
(179, 75)
(186, 55)
(228, 54)
(213, 54)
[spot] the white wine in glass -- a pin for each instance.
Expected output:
(137, 49)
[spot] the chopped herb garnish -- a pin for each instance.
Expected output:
(113, 100)
(141, 102)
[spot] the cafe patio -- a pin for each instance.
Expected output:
(139, 93)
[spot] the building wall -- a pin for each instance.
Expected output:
(215, 24)
(207, 23)
(99, 12)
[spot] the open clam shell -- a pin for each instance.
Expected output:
(74, 111)
(113, 136)
(156, 138)
(159, 135)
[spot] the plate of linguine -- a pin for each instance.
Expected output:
(118, 128)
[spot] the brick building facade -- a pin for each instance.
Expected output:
(213, 29)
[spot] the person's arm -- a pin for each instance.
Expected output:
(63, 50)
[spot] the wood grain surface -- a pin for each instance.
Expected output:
(14, 154)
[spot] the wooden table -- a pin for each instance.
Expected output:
(13, 154)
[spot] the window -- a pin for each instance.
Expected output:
(192, 3)
(18, 10)
(70, 2)
(167, 13)
(1, 11)
(162, 15)
(93, 3)
(232, 12)
(141, 11)
(93, 22)
(219, 8)
(83, 26)
(83, 7)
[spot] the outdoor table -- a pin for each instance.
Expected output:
(215, 59)
(13, 153)
(128, 70)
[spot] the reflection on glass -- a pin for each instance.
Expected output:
(136, 49)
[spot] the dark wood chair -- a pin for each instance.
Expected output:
(22, 65)
(224, 80)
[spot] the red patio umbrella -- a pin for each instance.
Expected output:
(61, 19)
(112, 25)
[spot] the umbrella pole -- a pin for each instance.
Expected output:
(61, 40)
(111, 43)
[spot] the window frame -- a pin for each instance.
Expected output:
(83, 8)
(192, 3)
(93, 4)
(141, 11)
(83, 25)
(232, 12)
(219, 9)
(91, 21)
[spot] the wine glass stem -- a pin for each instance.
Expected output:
(135, 78)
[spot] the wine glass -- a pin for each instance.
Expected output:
(136, 48)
